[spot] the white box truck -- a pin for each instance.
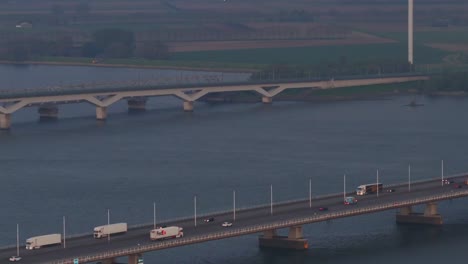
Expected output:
(166, 232)
(42, 241)
(106, 230)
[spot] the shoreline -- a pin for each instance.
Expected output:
(130, 66)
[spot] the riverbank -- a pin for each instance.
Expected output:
(141, 64)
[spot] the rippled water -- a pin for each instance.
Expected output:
(78, 167)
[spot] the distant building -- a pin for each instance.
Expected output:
(24, 24)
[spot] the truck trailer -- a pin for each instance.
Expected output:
(369, 188)
(42, 241)
(106, 230)
(166, 232)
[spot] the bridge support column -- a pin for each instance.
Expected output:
(5, 121)
(101, 113)
(188, 106)
(48, 112)
(267, 100)
(137, 104)
(429, 217)
(294, 240)
(108, 261)
(133, 259)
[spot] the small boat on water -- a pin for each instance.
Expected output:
(413, 103)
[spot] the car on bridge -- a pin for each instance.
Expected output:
(321, 209)
(227, 224)
(15, 258)
(350, 200)
(207, 220)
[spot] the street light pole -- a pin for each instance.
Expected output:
(154, 215)
(377, 183)
(271, 199)
(310, 193)
(234, 204)
(195, 209)
(17, 240)
(442, 171)
(108, 223)
(409, 178)
(64, 234)
(344, 187)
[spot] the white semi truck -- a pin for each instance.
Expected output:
(106, 230)
(166, 232)
(42, 241)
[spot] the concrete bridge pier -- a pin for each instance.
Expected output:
(267, 100)
(5, 121)
(188, 106)
(48, 112)
(294, 240)
(137, 104)
(429, 217)
(133, 259)
(101, 113)
(109, 261)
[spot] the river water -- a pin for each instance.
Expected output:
(78, 168)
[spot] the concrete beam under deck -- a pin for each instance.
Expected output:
(133, 259)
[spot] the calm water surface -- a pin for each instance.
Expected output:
(78, 167)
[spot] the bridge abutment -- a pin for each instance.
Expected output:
(294, 240)
(267, 100)
(101, 113)
(5, 121)
(429, 217)
(137, 104)
(188, 106)
(48, 112)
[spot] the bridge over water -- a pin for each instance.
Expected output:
(265, 219)
(47, 100)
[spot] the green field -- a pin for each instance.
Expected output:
(315, 55)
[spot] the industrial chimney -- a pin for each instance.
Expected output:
(410, 32)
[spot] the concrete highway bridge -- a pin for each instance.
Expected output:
(47, 100)
(266, 219)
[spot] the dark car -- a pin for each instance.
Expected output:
(447, 181)
(211, 219)
(390, 190)
(457, 186)
(323, 209)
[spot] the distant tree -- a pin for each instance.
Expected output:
(115, 42)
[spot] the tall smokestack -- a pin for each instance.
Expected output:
(410, 32)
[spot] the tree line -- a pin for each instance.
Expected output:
(104, 43)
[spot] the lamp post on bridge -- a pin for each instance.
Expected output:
(344, 187)
(195, 209)
(377, 183)
(234, 205)
(154, 215)
(271, 199)
(442, 171)
(310, 193)
(108, 223)
(409, 178)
